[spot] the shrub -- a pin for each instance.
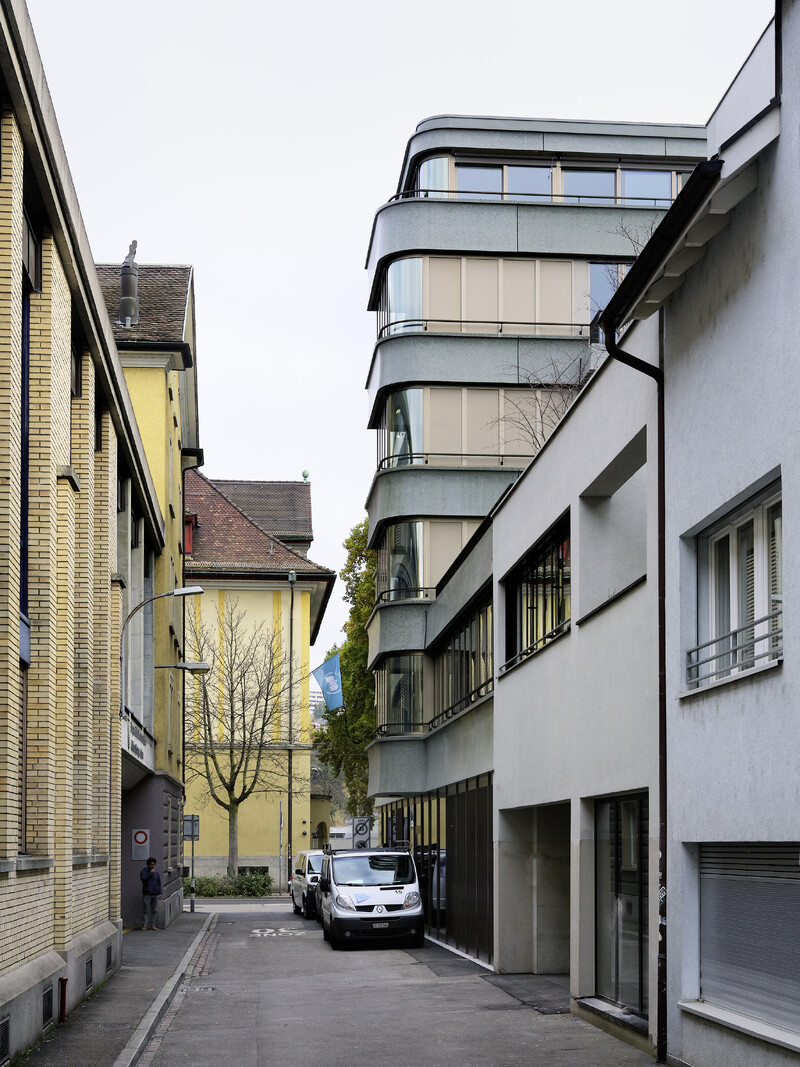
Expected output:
(245, 884)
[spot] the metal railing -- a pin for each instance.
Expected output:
(396, 728)
(482, 690)
(757, 642)
(421, 592)
(461, 459)
(540, 642)
(662, 202)
(499, 326)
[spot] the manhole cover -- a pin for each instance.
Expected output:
(115, 1026)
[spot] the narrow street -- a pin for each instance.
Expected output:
(265, 989)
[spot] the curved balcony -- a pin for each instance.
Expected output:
(444, 492)
(500, 359)
(396, 627)
(407, 226)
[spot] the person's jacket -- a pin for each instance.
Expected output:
(151, 882)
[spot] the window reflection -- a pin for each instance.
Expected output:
(589, 186)
(433, 179)
(480, 183)
(400, 431)
(398, 695)
(399, 571)
(529, 183)
(649, 188)
(400, 304)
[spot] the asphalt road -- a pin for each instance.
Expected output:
(265, 990)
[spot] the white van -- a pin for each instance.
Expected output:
(307, 867)
(371, 893)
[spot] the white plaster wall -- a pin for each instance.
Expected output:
(579, 718)
(732, 400)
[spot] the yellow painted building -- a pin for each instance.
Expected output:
(83, 533)
(151, 308)
(246, 544)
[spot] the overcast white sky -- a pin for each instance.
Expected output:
(256, 140)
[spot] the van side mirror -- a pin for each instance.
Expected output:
(325, 884)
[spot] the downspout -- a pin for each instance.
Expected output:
(657, 374)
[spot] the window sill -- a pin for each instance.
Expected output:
(35, 863)
(775, 1035)
(526, 657)
(741, 676)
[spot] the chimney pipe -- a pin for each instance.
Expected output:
(129, 290)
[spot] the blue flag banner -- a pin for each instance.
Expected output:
(329, 678)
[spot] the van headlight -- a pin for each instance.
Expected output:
(344, 902)
(411, 900)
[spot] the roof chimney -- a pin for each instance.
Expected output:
(129, 290)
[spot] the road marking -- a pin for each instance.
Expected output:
(281, 931)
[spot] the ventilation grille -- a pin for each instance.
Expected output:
(109, 957)
(47, 1006)
(88, 974)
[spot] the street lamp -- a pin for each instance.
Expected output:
(186, 590)
(292, 578)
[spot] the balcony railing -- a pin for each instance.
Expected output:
(515, 328)
(454, 459)
(422, 592)
(545, 639)
(755, 644)
(533, 198)
(397, 728)
(482, 690)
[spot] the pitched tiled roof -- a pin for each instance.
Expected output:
(279, 508)
(225, 539)
(163, 297)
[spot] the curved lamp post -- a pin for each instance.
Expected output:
(186, 590)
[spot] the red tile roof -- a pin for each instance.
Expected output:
(163, 300)
(226, 539)
(279, 508)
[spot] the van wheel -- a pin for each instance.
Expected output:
(295, 907)
(308, 908)
(417, 940)
(333, 940)
(324, 932)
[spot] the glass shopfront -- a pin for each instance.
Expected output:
(450, 832)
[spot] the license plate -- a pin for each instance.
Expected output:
(380, 926)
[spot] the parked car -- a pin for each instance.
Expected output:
(371, 893)
(307, 867)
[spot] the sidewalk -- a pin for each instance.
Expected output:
(114, 1025)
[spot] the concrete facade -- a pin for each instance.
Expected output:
(484, 301)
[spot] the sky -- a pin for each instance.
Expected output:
(256, 140)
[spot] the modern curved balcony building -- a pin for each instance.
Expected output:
(487, 267)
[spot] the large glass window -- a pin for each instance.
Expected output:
(433, 178)
(589, 186)
(400, 431)
(398, 695)
(537, 594)
(650, 188)
(621, 829)
(399, 574)
(529, 183)
(400, 306)
(479, 183)
(741, 595)
(463, 668)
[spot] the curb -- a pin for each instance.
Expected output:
(151, 1018)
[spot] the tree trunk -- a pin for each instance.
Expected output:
(233, 840)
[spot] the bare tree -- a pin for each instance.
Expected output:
(534, 408)
(235, 740)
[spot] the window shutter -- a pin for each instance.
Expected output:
(749, 916)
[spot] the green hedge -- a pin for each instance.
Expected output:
(251, 884)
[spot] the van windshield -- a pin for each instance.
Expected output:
(373, 870)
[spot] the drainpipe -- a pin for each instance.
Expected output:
(657, 374)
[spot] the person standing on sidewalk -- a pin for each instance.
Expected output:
(151, 894)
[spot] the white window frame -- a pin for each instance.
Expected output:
(712, 630)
